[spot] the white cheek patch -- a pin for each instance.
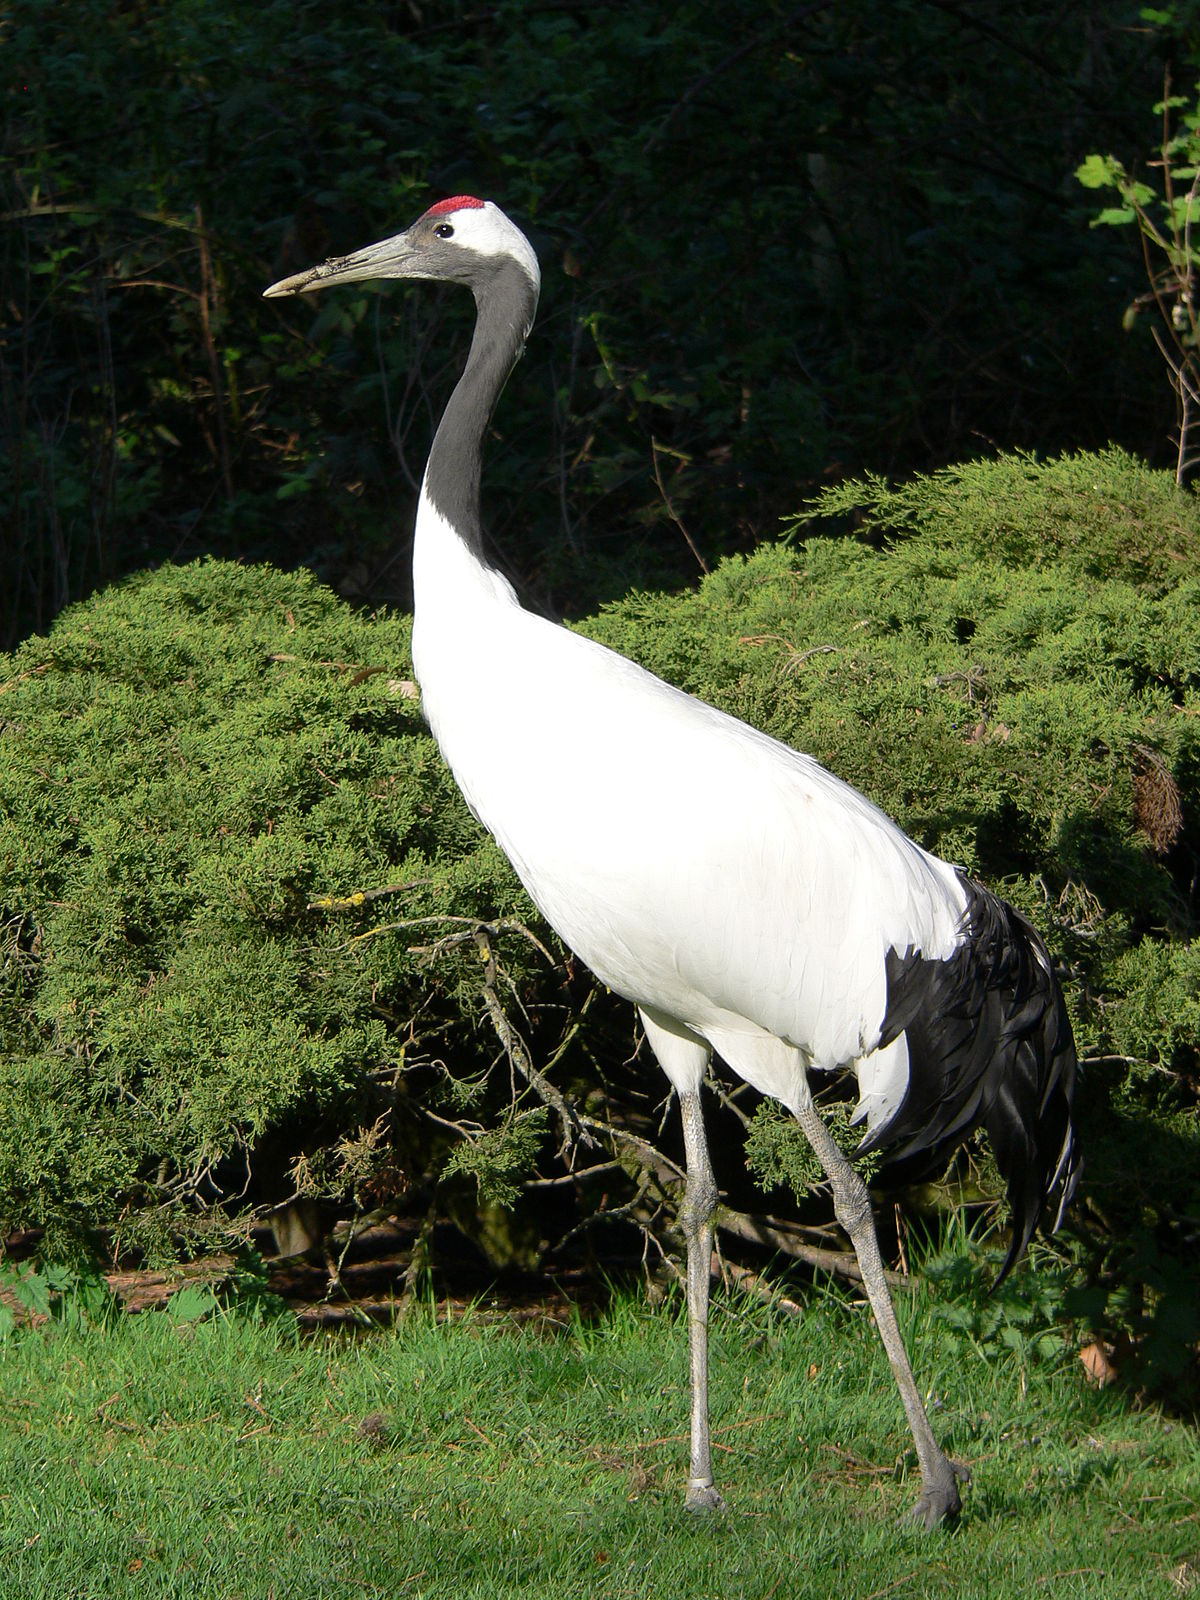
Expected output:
(488, 232)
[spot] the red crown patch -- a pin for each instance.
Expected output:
(458, 202)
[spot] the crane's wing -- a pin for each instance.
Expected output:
(694, 863)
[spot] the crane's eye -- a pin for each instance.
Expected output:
(444, 230)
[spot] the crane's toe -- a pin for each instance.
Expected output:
(939, 1502)
(702, 1498)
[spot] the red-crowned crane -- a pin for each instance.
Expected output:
(745, 900)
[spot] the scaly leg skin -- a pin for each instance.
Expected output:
(940, 1477)
(695, 1219)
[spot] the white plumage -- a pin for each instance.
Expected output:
(745, 899)
(637, 815)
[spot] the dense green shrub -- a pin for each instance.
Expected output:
(189, 761)
(209, 774)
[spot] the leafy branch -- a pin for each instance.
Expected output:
(1165, 221)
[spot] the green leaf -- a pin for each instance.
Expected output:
(32, 1290)
(1099, 172)
(192, 1303)
(1184, 209)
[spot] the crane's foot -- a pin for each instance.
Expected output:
(939, 1502)
(702, 1498)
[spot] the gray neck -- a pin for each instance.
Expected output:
(505, 301)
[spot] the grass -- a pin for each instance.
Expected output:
(229, 1458)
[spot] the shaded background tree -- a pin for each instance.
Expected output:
(781, 243)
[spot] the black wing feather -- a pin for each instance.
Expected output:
(989, 1040)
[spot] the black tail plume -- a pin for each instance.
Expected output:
(989, 1040)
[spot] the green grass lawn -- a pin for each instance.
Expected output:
(228, 1458)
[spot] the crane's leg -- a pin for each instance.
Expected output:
(940, 1477)
(695, 1218)
(683, 1056)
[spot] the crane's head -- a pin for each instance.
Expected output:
(462, 240)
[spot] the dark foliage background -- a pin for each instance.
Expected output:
(780, 243)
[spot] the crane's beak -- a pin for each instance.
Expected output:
(390, 258)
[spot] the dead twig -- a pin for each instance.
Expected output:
(572, 1128)
(842, 1262)
(671, 512)
(362, 897)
